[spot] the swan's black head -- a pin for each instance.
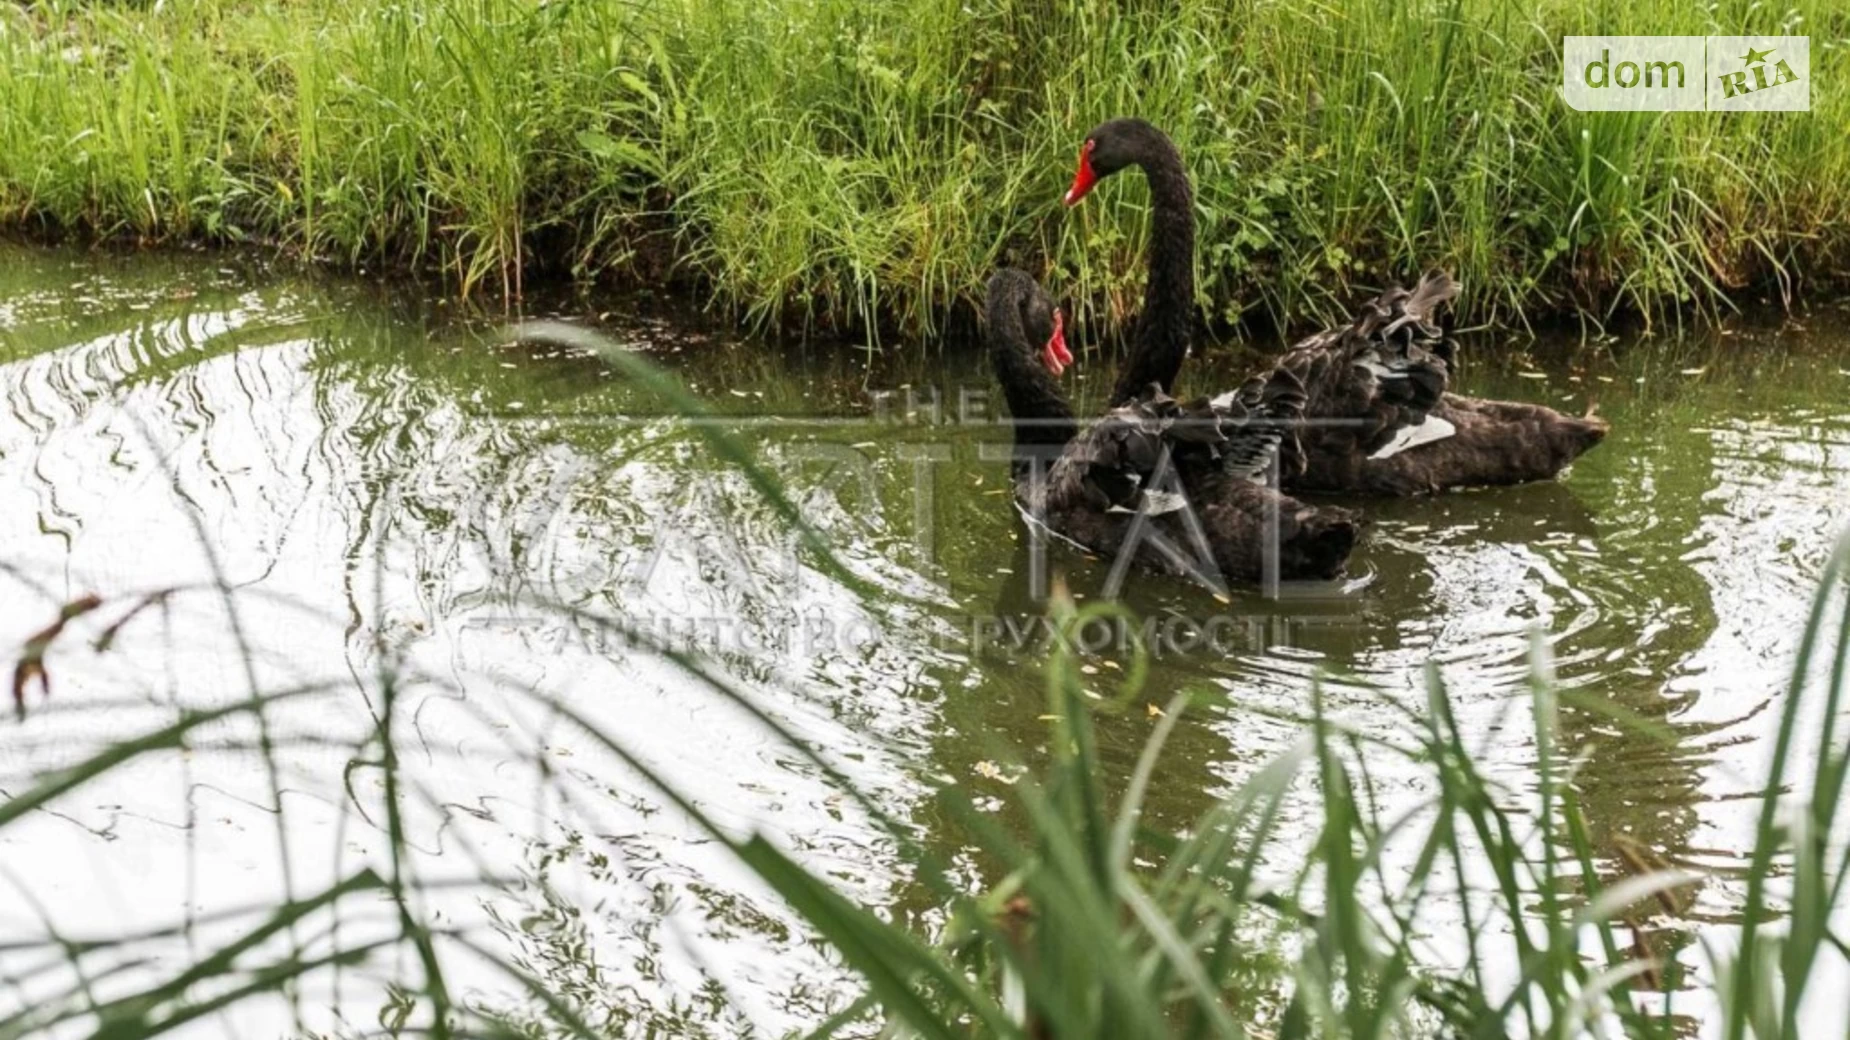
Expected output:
(1027, 345)
(1014, 296)
(1110, 147)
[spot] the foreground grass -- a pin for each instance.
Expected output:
(1481, 909)
(866, 165)
(1236, 929)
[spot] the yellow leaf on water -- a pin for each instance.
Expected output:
(991, 771)
(1154, 711)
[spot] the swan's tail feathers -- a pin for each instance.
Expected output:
(1553, 441)
(1587, 431)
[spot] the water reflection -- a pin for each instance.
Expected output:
(390, 487)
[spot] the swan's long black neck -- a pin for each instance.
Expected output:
(1160, 339)
(1041, 416)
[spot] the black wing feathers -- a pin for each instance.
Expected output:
(1123, 456)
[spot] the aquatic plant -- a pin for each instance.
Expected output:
(866, 166)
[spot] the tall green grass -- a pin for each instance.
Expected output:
(861, 165)
(1479, 909)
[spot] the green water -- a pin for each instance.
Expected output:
(386, 483)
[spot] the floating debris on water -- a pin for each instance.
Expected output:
(990, 771)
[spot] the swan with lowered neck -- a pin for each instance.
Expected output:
(1188, 474)
(1380, 419)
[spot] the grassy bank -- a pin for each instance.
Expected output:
(848, 163)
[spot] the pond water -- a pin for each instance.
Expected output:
(403, 506)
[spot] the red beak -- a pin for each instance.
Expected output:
(1083, 179)
(1055, 355)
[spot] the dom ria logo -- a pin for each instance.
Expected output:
(1686, 73)
(1756, 61)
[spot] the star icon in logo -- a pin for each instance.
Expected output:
(1754, 57)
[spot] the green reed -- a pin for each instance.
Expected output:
(855, 165)
(1077, 939)
(1091, 924)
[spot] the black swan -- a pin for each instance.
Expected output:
(1390, 426)
(1379, 418)
(1160, 338)
(1179, 486)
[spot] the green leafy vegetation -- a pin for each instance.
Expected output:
(840, 163)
